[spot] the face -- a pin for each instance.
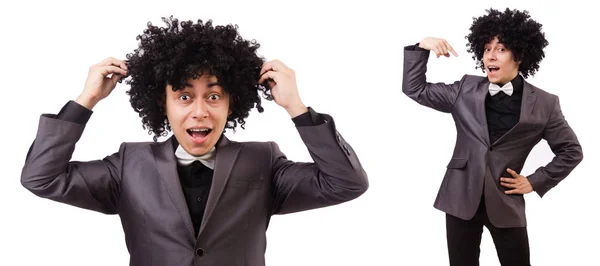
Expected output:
(499, 63)
(198, 113)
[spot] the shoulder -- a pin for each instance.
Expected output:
(542, 95)
(140, 147)
(474, 79)
(255, 146)
(541, 92)
(259, 152)
(469, 83)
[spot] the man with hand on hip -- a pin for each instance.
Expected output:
(499, 119)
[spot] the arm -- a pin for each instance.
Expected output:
(336, 175)
(566, 148)
(48, 173)
(438, 96)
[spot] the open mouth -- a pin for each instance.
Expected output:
(198, 133)
(493, 69)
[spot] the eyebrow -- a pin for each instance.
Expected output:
(210, 85)
(498, 44)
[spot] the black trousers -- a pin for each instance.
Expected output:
(464, 239)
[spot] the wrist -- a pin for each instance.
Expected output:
(296, 109)
(87, 101)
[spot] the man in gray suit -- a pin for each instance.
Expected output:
(196, 198)
(499, 119)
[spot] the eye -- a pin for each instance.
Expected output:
(184, 97)
(502, 49)
(214, 97)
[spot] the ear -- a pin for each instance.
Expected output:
(162, 100)
(518, 60)
(230, 106)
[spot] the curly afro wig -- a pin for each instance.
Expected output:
(183, 50)
(516, 30)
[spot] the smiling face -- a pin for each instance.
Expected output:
(197, 113)
(499, 63)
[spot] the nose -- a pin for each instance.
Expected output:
(200, 110)
(491, 55)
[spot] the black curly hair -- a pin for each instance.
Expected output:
(183, 50)
(516, 30)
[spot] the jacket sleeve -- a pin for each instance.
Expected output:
(49, 173)
(336, 175)
(568, 153)
(439, 96)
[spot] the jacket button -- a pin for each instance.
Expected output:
(200, 252)
(346, 149)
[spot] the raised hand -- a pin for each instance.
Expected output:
(438, 46)
(282, 81)
(101, 80)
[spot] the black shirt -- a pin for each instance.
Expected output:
(195, 178)
(503, 111)
(195, 181)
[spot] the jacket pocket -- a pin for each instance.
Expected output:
(245, 183)
(456, 163)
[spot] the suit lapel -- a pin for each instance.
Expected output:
(529, 97)
(482, 92)
(227, 153)
(164, 155)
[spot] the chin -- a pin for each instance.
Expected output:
(493, 80)
(198, 151)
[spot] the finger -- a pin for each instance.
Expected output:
(512, 172)
(513, 191)
(269, 75)
(449, 47)
(280, 65)
(114, 62)
(442, 48)
(508, 180)
(115, 78)
(269, 66)
(265, 67)
(106, 70)
(436, 51)
(508, 185)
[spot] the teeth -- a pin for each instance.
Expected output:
(199, 130)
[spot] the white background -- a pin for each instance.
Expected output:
(348, 60)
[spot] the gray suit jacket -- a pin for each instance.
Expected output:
(251, 182)
(477, 165)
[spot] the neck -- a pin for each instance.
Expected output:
(511, 79)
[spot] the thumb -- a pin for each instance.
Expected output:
(115, 79)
